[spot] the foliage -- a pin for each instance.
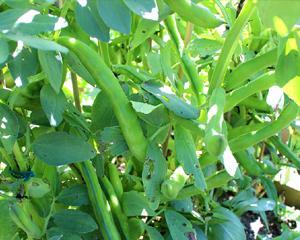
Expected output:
(158, 119)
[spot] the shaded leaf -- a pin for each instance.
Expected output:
(9, 127)
(154, 171)
(180, 228)
(89, 20)
(59, 148)
(115, 14)
(135, 204)
(171, 101)
(75, 195)
(186, 155)
(53, 105)
(74, 221)
(51, 63)
(146, 9)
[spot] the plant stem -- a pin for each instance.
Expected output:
(103, 47)
(19, 157)
(75, 91)
(230, 45)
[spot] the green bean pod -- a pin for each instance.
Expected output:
(98, 201)
(246, 129)
(215, 139)
(135, 74)
(197, 14)
(245, 70)
(285, 150)
(188, 66)
(106, 80)
(230, 45)
(256, 28)
(114, 177)
(249, 163)
(238, 95)
(116, 207)
(289, 113)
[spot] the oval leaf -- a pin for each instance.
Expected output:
(115, 14)
(171, 101)
(75, 221)
(58, 148)
(9, 127)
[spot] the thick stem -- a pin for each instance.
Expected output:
(75, 91)
(230, 45)
(105, 53)
(19, 157)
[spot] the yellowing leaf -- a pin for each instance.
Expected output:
(292, 89)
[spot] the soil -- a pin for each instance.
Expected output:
(274, 225)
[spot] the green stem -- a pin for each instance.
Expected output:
(224, 12)
(285, 151)
(75, 91)
(215, 181)
(99, 203)
(230, 45)
(105, 53)
(19, 157)
(236, 96)
(289, 113)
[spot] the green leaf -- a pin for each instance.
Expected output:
(136, 204)
(55, 233)
(154, 172)
(113, 137)
(115, 14)
(8, 227)
(53, 105)
(9, 127)
(225, 225)
(170, 100)
(24, 65)
(76, 66)
(292, 89)
(59, 148)
(281, 15)
(102, 113)
(36, 187)
(89, 20)
(75, 195)
(180, 228)
(51, 63)
(4, 51)
(203, 47)
(75, 221)
(145, 29)
(183, 205)
(144, 108)
(153, 233)
(36, 42)
(29, 22)
(286, 68)
(186, 155)
(146, 9)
